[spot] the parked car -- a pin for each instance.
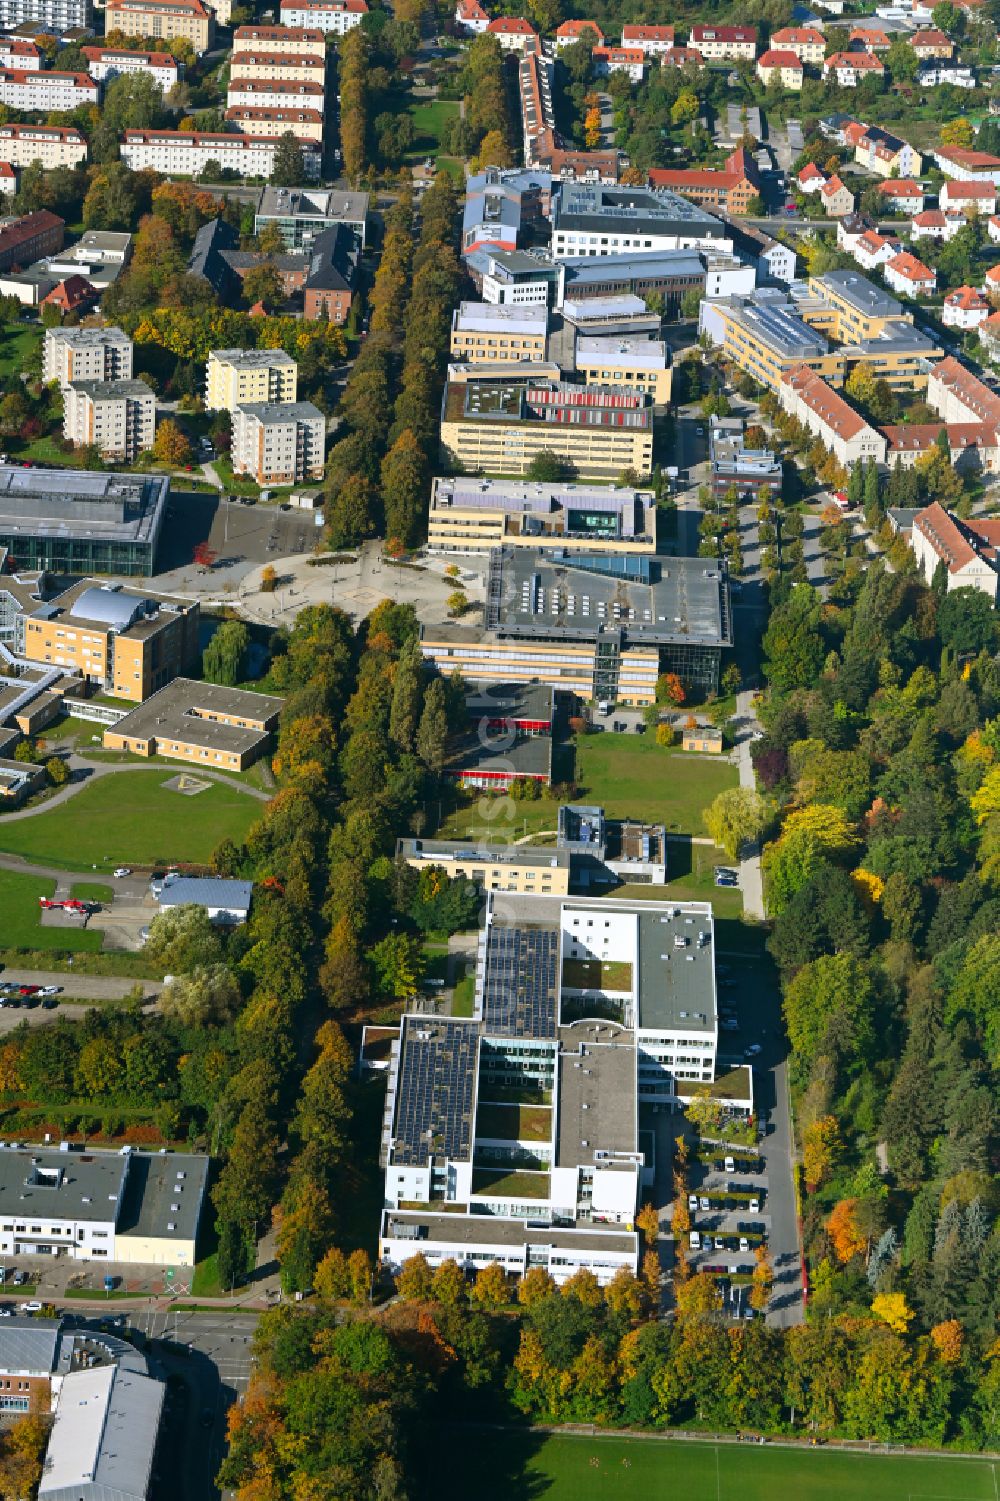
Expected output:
(744, 1243)
(31, 1307)
(50, 990)
(730, 1024)
(692, 1201)
(51, 1004)
(754, 1206)
(703, 1202)
(694, 1240)
(729, 1165)
(122, 872)
(752, 1051)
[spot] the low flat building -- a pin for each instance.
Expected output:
(226, 903)
(593, 219)
(509, 739)
(234, 377)
(202, 723)
(117, 417)
(503, 332)
(522, 868)
(124, 642)
(496, 428)
(70, 354)
(188, 20)
(279, 443)
(19, 780)
(85, 1457)
(668, 273)
(302, 214)
(599, 625)
(74, 521)
(605, 317)
(968, 551)
(131, 1207)
(477, 515)
(607, 850)
(514, 277)
(641, 365)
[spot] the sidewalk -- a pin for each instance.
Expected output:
(751, 879)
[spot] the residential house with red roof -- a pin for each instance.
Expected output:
(968, 549)
(725, 43)
(848, 69)
(653, 40)
(966, 197)
(780, 66)
(931, 43)
(902, 195)
(571, 32)
(908, 276)
(808, 44)
(965, 308)
(825, 413)
(836, 197)
(729, 189)
(514, 34)
(471, 18)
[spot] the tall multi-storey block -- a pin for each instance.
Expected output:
(239, 377)
(279, 443)
(118, 417)
(54, 16)
(332, 17)
(86, 354)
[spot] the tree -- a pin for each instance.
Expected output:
(448, 1284)
(57, 771)
(793, 645)
(735, 818)
(234, 1257)
(892, 1309)
(414, 1282)
(549, 469)
(829, 1007)
(268, 579)
(842, 1228)
(263, 283)
(958, 132)
(271, 241)
(399, 965)
(762, 1280)
(948, 1339)
(170, 446)
(289, 165)
(490, 1287)
(224, 658)
(534, 1287)
(405, 484)
(182, 938)
(331, 1280)
(494, 151)
(432, 732)
(967, 621)
(205, 997)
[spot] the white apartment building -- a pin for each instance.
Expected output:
(187, 153)
(968, 549)
(118, 417)
(637, 364)
(652, 40)
(235, 377)
(279, 443)
(588, 1008)
(111, 62)
(298, 41)
(257, 120)
(332, 17)
(724, 43)
(18, 54)
(28, 89)
(275, 93)
(52, 145)
(825, 413)
(101, 354)
(54, 16)
(284, 67)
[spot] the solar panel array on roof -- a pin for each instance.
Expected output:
(437, 1075)
(519, 982)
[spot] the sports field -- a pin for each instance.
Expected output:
(512, 1466)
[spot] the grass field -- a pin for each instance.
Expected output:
(20, 917)
(132, 818)
(18, 343)
(597, 974)
(633, 777)
(567, 1468)
(429, 119)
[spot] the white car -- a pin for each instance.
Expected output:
(694, 1240)
(730, 1164)
(692, 1201)
(755, 1206)
(50, 990)
(122, 872)
(744, 1243)
(704, 1201)
(32, 1307)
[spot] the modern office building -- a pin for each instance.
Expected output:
(71, 354)
(202, 723)
(188, 20)
(279, 443)
(593, 219)
(81, 522)
(524, 869)
(477, 515)
(641, 365)
(509, 738)
(302, 214)
(752, 473)
(766, 337)
(494, 427)
(602, 626)
(125, 1207)
(117, 417)
(123, 642)
(235, 377)
(587, 1008)
(499, 332)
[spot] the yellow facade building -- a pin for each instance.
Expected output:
(234, 377)
(225, 729)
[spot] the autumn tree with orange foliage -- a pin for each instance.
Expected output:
(948, 1340)
(845, 1235)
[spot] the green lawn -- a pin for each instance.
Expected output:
(500, 820)
(691, 878)
(20, 917)
(429, 118)
(566, 1468)
(633, 777)
(132, 818)
(597, 974)
(497, 1183)
(464, 1000)
(17, 345)
(515, 1122)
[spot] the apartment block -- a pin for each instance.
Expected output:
(265, 123)
(641, 365)
(959, 396)
(477, 515)
(18, 54)
(826, 414)
(523, 869)
(332, 17)
(71, 354)
(52, 145)
(498, 332)
(111, 62)
(968, 549)
(780, 66)
(514, 34)
(492, 428)
(27, 90)
(279, 443)
(126, 643)
(653, 40)
(300, 41)
(201, 723)
(729, 188)
(186, 19)
(808, 44)
(725, 43)
(117, 416)
(236, 377)
(52, 16)
(187, 153)
(262, 65)
(276, 94)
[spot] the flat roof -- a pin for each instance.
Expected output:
(63, 503)
(503, 702)
(435, 1090)
(163, 1195)
(863, 295)
(525, 755)
(313, 203)
(61, 1185)
(540, 592)
(597, 1097)
(518, 979)
(510, 317)
(252, 359)
(446, 852)
(635, 265)
(488, 1229)
(779, 329)
(598, 208)
(29, 1345)
(176, 713)
(471, 492)
(92, 604)
(638, 354)
(103, 1436)
(676, 990)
